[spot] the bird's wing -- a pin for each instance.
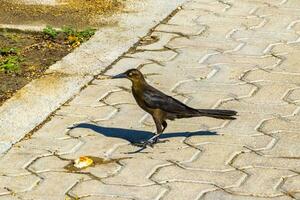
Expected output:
(156, 99)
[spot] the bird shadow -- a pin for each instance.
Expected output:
(136, 136)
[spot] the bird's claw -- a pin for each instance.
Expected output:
(149, 143)
(146, 143)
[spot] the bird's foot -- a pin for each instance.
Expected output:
(149, 143)
(144, 144)
(153, 140)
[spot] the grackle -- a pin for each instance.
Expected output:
(162, 107)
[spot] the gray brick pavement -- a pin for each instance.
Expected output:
(241, 55)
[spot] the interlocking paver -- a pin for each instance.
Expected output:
(240, 55)
(139, 174)
(251, 159)
(219, 195)
(48, 187)
(266, 182)
(206, 160)
(177, 174)
(191, 190)
(291, 185)
(93, 187)
(287, 145)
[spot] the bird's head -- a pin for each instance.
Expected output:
(132, 74)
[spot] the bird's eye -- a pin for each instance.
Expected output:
(130, 74)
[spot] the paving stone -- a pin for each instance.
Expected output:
(263, 108)
(97, 145)
(253, 160)
(249, 126)
(206, 159)
(191, 190)
(49, 163)
(266, 182)
(97, 188)
(100, 197)
(273, 77)
(229, 73)
(225, 137)
(181, 29)
(273, 91)
(131, 111)
(261, 61)
(88, 113)
(16, 160)
(294, 95)
(57, 128)
(127, 63)
(221, 195)
(280, 124)
(159, 56)
(265, 35)
(290, 65)
(18, 183)
(222, 179)
(207, 5)
(292, 184)
(156, 41)
(230, 22)
(199, 43)
(9, 197)
(50, 189)
(140, 175)
(202, 87)
(60, 146)
(91, 95)
(286, 146)
(186, 16)
(169, 150)
(286, 48)
(159, 81)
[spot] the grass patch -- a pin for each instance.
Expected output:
(9, 59)
(72, 36)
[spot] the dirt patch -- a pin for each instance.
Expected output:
(77, 13)
(25, 56)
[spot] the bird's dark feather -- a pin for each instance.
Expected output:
(155, 99)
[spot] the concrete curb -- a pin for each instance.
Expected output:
(36, 101)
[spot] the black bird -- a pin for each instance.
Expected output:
(162, 107)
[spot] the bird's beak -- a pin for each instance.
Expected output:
(123, 75)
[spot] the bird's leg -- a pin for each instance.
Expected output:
(159, 131)
(156, 137)
(164, 124)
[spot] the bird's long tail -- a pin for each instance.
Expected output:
(219, 114)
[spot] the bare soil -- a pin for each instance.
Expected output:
(75, 13)
(37, 52)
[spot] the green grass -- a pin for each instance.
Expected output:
(69, 31)
(8, 50)
(72, 36)
(10, 59)
(10, 64)
(51, 32)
